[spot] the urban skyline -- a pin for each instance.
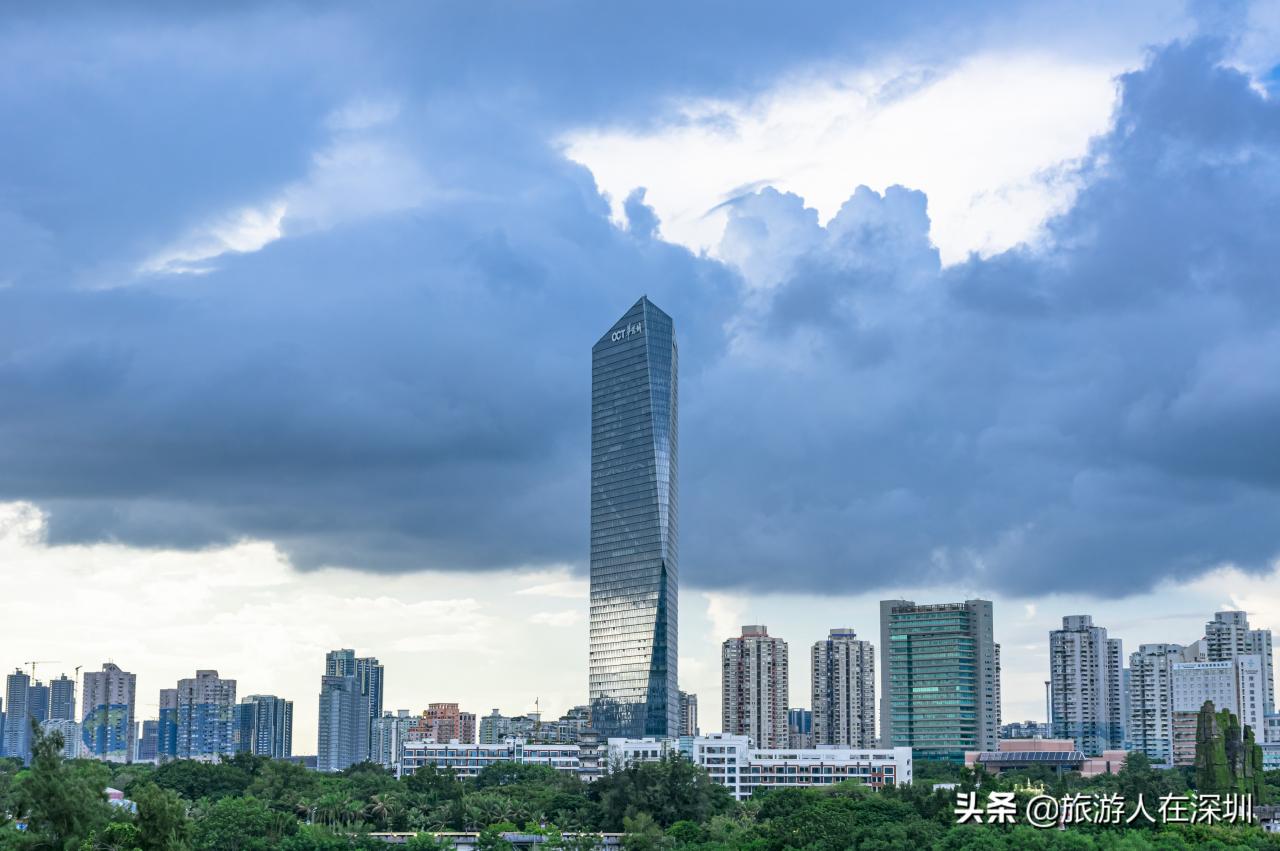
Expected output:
(1195, 670)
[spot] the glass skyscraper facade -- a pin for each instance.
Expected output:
(634, 575)
(940, 678)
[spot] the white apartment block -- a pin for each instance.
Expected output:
(755, 682)
(732, 762)
(1086, 691)
(1151, 698)
(467, 760)
(844, 690)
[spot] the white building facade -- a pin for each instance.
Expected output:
(731, 761)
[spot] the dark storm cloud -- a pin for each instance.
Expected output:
(401, 381)
(1094, 414)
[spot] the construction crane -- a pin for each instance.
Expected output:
(35, 662)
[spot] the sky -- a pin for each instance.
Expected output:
(297, 302)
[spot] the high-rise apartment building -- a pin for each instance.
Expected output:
(1085, 677)
(445, 722)
(343, 735)
(939, 678)
(844, 690)
(148, 742)
(634, 530)
(368, 674)
(1151, 697)
(167, 726)
(17, 727)
(206, 717)
(38, 701)
(389, 732)
(688, 714)
(62, 699)
(1228, 635)
(107, 710)
(264, 726)
(755, 683)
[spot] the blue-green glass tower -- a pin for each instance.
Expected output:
(634, 506)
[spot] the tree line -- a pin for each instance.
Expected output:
(248, 803)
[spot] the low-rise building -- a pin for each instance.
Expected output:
(731, 761)
(1059, 755)
(468, 760)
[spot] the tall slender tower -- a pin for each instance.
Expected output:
(844, 690)
(634, 506)
(1085, 672)
(755, 688)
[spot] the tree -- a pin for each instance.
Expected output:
(670, 790)
(63, 809)
(162, 819)
(240, 824)
(115, 836)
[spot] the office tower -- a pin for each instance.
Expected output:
(445, 722)
(107, 708)
(38, 701)
(800, 728)
(844, 690)
(62, 699)
(148, 744)
(1228, 635)
(755, 692)
(939, 678)
(368, 674)
(264, 726)
(206, 717)
(1235, 685)
(634, 529)
(688, 714)
(17, 728)
(1085, 685)
(1151, 698)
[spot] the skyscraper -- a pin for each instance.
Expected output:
(38, 701)
(939, 678)
(264, 725)
(756, 679)
(62, 699)
(206, 717)
(1151, 697)
(1228, 635)
(17, 728)
(350, 700)
(634, 529)
(844, 690)
(1085, 673)
(108, 705)
(342, 710)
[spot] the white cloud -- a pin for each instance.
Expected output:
(364, 171)
(566, 617)
(987, 140)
